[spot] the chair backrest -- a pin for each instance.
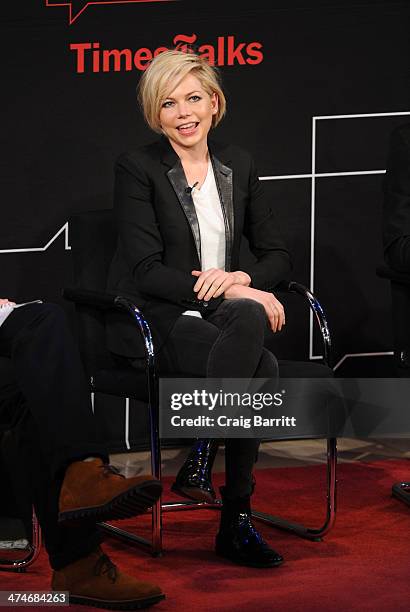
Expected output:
(93, 240)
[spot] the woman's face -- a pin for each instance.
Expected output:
(186, 114)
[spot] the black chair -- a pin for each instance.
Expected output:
(14, 480)
(93, 242)
(400, 293)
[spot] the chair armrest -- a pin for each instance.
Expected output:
(316, 308)
(98, 299)
(107, 301)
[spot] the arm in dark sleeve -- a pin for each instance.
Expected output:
(261, 228)
(141, 243)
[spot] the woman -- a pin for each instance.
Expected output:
(183, 204)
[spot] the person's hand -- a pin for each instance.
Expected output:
(4, 301)
(214, 282)
(273, 308)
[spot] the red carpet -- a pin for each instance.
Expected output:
(363, 564)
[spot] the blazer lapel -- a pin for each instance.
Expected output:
(224, 181)
(223, 177)
(176, 176)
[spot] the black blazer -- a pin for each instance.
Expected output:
(396, 186)
(159, 241)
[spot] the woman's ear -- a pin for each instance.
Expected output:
(214, 102)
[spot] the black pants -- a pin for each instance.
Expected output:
(398, 254)
(228, 343)
(59, 427)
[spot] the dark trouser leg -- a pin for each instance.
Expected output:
(242, 453)
(15, 499)
(398, 254)
(49, 373)
(41, 487)
(59, 427)
(398, 257)
(64, 544)
(228, 344)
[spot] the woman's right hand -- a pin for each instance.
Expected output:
(4, 301)
(273, 308)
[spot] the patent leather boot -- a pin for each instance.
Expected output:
(238, 540)
(194, 479)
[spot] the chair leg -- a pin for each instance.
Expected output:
(299, 529)
(155, 545)
(156, 532)
(296, 528)
(20, 565)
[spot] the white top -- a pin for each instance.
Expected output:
(211, 226)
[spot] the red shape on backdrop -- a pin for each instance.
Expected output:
(76, 7)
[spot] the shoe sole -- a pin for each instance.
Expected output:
(193, 494)
(244, 564)
(132, 604)
(130, 503)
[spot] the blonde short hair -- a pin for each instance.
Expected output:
(165, 72)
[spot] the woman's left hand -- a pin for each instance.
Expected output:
(214, 282)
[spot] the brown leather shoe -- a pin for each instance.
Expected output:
(94, 490)
(96, 581)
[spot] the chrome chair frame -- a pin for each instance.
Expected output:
(31, 553)
(106, 302)
(299, 529)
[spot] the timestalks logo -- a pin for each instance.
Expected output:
(226, 51)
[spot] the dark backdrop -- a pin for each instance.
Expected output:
(301, 78)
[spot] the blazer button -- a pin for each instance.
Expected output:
(205, 304)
